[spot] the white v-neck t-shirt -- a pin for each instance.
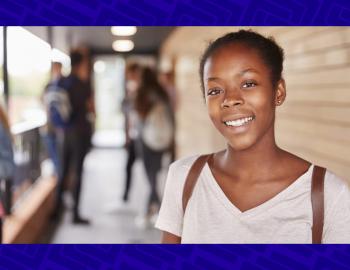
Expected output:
(210, 217)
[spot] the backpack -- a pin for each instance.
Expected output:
(158, 128)
(58, 104)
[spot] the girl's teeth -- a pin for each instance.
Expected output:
(239, 122)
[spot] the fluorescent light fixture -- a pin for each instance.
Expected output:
(123, 30)
(123, 45)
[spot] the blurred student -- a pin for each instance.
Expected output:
(7, 165)
(77, 132)
(156, 131)
(167, 80)
(132, 77)
(51, 133)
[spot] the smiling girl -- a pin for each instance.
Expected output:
(253, 191)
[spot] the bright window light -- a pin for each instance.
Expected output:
(123, 30)
(27, 52)
(59, 56)
(123, 45)
(99, 66)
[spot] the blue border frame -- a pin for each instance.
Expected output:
(175, 257)
(171, 12)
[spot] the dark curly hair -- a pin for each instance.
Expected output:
(270, 52)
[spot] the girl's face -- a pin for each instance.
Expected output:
(240, 96)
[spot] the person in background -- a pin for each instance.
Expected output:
(7, 165)
(132, 76)
(77, 135)
(156, 132)
(167, 80)
(50, 133)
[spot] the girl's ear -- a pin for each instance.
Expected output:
(280, 92)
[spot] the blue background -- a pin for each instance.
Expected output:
(175, 257)
(170, 12)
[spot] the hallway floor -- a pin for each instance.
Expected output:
(111, 221)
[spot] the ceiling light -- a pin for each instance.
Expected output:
(123, 30)
(123, 45)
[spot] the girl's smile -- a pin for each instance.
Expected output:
(238, 123)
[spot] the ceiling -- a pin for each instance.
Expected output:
(147, 39)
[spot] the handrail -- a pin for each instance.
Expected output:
(27, 126)
(28, 154)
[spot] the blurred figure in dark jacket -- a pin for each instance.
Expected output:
(78, 132)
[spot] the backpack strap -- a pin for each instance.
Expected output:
(317, 201)
(317, 194)
(191, 179)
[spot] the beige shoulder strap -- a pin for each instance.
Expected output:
(317, 201)
(191, 179)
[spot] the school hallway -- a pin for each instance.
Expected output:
(310, 124)
(111, 221)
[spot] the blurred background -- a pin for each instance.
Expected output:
(313, 122)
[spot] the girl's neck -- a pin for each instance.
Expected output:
(253, 163)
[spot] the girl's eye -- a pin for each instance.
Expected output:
(214, 91)
(249, 84)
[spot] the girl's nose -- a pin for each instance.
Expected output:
(233, 98)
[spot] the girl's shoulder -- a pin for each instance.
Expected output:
(179, 170)
(334, 184)
(184, 163)
(336, 192)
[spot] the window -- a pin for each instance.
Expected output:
(28, 70)
(109, 93)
